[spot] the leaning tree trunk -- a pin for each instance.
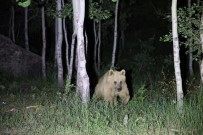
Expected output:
(201, 38)
(59, 46)
(176, 50)
(43, 42)
(115, 35)
(82, 76)
(95, 46)
(26, 29)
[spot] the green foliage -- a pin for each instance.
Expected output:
(114, 0)
(23, 3)
(97, 13)
(43, 112)
(188, 29)
(167, 85)
(66, 11)
(66, 92)
(141, 93)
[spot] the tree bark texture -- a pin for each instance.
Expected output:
(59, 46)
(43, 42)
(176, 51)
(115, 35)
(201, 38)
(82, 76)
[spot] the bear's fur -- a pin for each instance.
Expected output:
(111, 85)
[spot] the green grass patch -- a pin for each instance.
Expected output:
(47, 110)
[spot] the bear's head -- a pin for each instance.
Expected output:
(117, 79)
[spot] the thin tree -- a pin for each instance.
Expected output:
(26, 29)
(82, 76)
(191, 73)
(201, 39)
(43, 42)
(176, 51)
(59, 44)
(115, 35)
(12, 22)
(66, 40)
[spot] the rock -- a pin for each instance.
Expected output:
(17, 61)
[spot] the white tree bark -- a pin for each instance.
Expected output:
(66, 41)
(176, 50)
(26, 29)
(201, 38)
(43, 42)
(82, 76)
(115, 35)
(59, 45)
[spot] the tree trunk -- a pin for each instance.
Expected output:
(70, 72)
(66, 41)
(82, 77)
(115, 35)
(56, 39)
(43, 42)
(95, 46)
(176, 50)
(59, 46)
(99, 47)
(122, 39)
(191, 73)
(12, 24)
(201, 38)
(26, 30)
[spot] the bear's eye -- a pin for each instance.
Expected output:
(120, 82)
(115, 82)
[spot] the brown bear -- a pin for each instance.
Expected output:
(111, 85)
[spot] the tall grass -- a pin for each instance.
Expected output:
(48, 110)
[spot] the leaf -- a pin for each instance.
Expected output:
(24, 4)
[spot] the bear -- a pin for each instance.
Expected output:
(112, 85)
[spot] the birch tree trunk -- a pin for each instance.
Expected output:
(59, 46)
(82, 77)
(201, 38)
(43, 42)
(176, 50)
(191, 73)
(66, 41)
(115, 35)
(26, 29)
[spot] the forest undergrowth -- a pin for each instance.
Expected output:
(38, 107)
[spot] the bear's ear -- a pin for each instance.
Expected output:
(123, 72)
(111, 72)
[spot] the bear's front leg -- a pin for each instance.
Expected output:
(110, 99)
(125, 97)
